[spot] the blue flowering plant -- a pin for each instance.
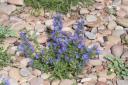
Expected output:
(64, 56)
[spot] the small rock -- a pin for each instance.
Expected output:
(24, 62)
(42, 38)
(101, 83)
(26, 83)
(14, 73)
(121, 13)
(122, 82)
(7, 9)
(102, 79)
(111, 76)
(116, 2)
(112, 25)
(45, 76)
(13, 82)
(25, 72)
(125, 2)
(90, 35)
(113, 40)
(12, 50)
(99, 6)
(91, 18)
(67, 82)
(36, 72)
(95, 62)
(3, 18)
(49, 23)
(117, 50)
(124, 55)
(39, 27)
(55, 82)
(36, 81)
(68, 29)
(46, 82)
(118, 31)
(16, 2)
(83, 11)
(18, 26)
(122, 22)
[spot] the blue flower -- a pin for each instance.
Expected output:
(85, 57)
(7, 82)
(37, 56)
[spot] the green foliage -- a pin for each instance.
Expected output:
(6, 32)
(56, 5)
(118, 66)
(2, 83)
(4, 58)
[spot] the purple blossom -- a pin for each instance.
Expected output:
(7, 82)
(37, 56)
(85, 57)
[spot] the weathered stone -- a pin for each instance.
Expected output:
(122, 22)
(55, 82)
(16, 2)
(95, 62)
(14, 73)
(36, 81)
(117, 50)
(13, 82)
(112, 25)
(7, 9)
(67, 82)
(25, 72)
(36, 72)
(83, 11)
(122, 82)
(124, 55)
(91, 18)
(24, 62)
(90, 35)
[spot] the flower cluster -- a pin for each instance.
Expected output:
(65, 55)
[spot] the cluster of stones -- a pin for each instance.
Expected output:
(107, 22)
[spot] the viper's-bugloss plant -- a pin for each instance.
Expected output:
(118, 66)
(4, 58)
(5, 82)
(56, 5)
(64, 56)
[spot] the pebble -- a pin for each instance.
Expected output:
(95, 62)
(13, 82)
(36, 81)
(24, 62)
(91, 18)
(117, 50)
(83, 11)
(112, 25)
(122, 22)
(90, 35)
(124, 55)
(14, 73)
(122, 82)
(67, 82)
(25, 72)
(36, 72)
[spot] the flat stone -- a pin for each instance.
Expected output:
(122, 82)
(122, 21)
(67, 82)
(118, 31)
(112, 25)
(124, 55)
(13, 82)
(55, 82)
(83, 11)
(46, 82)
(36, 72)
(24, 62)
(91, 18)
(3, 18)
(36, 81)
(16, 2)
(90, 35)
(12, 50)
(15, 74)
(7, 9)
(25, 72)
(95, 62)
(68, 29)
(117, 50)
